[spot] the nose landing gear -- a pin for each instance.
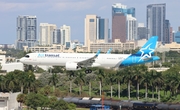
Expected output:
(88, 71)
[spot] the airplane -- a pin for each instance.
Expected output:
(76, 61)
(109, 51)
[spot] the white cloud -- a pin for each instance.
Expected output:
(72, 5)
(11, 6)
(51, 5)
(103, 8)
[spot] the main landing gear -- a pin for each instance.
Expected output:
(88, 71)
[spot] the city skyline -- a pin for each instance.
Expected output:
(72, 13)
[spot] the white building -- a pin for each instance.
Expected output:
(2, 59)
(131, 28)
(8, 101)
(26, 29)
(13, 66)
(65, 34)
(45, 34)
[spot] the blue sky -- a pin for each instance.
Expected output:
(72, 13)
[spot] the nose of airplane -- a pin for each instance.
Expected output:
(21, 60)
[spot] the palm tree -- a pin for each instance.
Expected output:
(21, 79)
(110, 78)
(30, 80)
(100, 76)
(172, 78)
(159, 82)
(146, 79)
(89, 78)
(2, 80)
(119, 78)
(140, 70)
(152, 77)
(174, 82)
(80, 80)
(21, 99)
(10, 81)
(128, 76)
(71, 75)
(53, 80)
(57, 69)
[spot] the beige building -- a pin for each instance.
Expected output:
(90, 30)
(116, 46)
(45, 34)
(2, 57)
(43, 48)
(55, 48)
(173, 46)
(2, 52)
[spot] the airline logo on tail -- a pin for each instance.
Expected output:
(144, 55)
(146, 52)
(149, 47)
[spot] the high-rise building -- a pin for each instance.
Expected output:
(56, 35)
(177, 36)
(131, 28)
(171, 35)
(26, 31)
(65, 34)
(119, 8)
(96, 29)
(45, 34)
(142, 31)
(156, 14)
(103, 29)
(119, 26)
(167, 32)
(90, 29)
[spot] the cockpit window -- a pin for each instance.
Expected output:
(27, 56)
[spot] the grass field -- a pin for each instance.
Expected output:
(82, 108)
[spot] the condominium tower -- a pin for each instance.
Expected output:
(56, 36)
(142, 31)
(46, 32)
(119, 24)
(96, 29)
(65, 34)
(131, 28)
(26, 31)
(156, 14)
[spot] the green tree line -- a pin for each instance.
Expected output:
(133, 82)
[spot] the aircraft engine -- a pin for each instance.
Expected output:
(72, 66)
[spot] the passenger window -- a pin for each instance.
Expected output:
(27, 56)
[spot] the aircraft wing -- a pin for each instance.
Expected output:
(89, 61)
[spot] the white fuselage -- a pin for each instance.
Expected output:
(60, 59)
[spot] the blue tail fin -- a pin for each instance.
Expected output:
(149, 47)
(109, 51)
